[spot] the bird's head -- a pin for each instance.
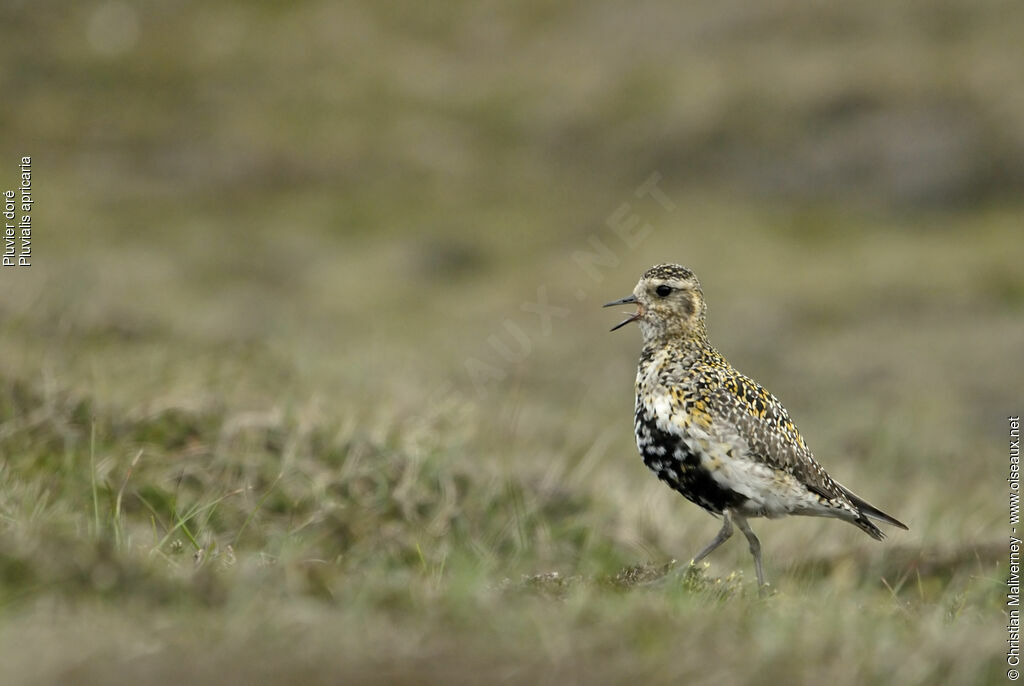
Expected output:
(670, 303)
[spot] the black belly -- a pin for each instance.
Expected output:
(674, 463)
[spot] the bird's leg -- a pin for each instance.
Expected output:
(722, 536)
(755, 550)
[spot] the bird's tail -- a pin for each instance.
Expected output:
(865, 510)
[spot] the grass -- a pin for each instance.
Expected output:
(283, 398)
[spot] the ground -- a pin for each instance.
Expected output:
(309, 380)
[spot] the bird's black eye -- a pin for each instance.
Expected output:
(663, 290)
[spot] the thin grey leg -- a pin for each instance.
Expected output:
(722, 537)
(755, 548)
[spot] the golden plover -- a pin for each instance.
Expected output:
(715, 435)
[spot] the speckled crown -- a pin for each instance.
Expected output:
(669, 271)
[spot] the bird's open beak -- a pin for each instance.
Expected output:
(628, 300)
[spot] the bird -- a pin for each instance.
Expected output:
(717, 436)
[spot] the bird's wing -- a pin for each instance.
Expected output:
(745, 410)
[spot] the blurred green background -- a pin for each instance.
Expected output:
(283, 398)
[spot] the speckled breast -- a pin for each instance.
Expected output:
(675, 463)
